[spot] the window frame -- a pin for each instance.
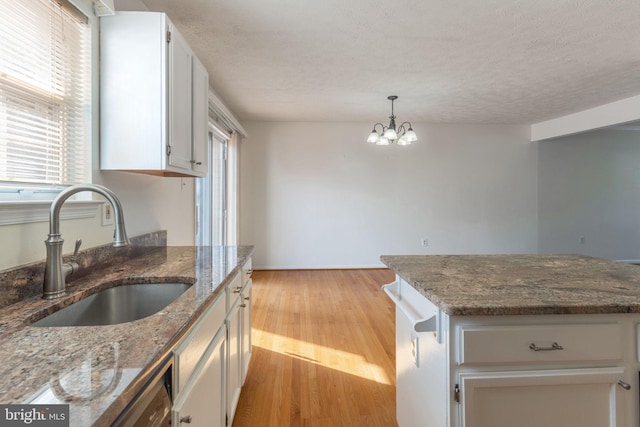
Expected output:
(22, 203)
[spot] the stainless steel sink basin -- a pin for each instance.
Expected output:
(115, 305)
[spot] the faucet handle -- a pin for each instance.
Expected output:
(74, 257)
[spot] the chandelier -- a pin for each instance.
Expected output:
(389, 134)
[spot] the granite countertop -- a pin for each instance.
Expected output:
(98, 369)
(475, 285)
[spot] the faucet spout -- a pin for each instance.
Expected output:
(55, 271)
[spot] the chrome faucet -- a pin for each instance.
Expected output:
(55, 271)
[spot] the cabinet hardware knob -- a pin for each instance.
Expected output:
(236, 291)
(186, 420)
(624, 385)
(195, 162)
(243, 305)
(246, 298)
(249, 272)
(554, 346)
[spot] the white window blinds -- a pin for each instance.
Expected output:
(45, 88)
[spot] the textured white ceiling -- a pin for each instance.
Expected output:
(454, 61)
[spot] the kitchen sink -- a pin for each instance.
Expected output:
(119, 304)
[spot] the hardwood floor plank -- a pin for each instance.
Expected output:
(323, 350)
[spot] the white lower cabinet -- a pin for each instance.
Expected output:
(566, 397)
(514, 371)
(212, 359)
(202, 402)
(239, 338)
(527, 371)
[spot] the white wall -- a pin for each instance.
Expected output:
(153, 203)
(589, 186)
(316, 195)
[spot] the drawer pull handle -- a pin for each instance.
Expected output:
(624, 385)
(243, 305)
(554, 346)
(186, 419)
(249, 272)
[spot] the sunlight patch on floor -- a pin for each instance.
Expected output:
(349, 363)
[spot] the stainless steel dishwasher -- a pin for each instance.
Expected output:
(152, 405)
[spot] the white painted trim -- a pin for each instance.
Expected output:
(103, 8)
(216, 104)
(616, 113)
(21, 212)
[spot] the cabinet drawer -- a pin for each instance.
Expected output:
(534, 344)
(193, 345)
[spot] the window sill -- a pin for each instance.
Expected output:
(23, 212)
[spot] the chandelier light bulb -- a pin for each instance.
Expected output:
(404, 140)
(373, 137)
(411, 136)
(383, 141)
(391, 134)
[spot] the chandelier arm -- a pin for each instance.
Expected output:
(381, 125)
(403, 129)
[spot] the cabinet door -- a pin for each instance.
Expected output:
(179, 101)
(192, 347)
(557, 398)
(203, 401)
(246, 329)
(200, 94)
(234, 373)
(133, 91)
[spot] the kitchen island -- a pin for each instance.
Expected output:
(98, 370)
(516, 340)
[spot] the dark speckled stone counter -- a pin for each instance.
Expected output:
(473, 285)
(98, 369)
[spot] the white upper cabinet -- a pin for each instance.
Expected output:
(200, 103)
(153, 98)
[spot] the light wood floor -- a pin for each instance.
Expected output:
(323, 351)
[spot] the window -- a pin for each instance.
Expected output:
(45, 95)
(211, 192)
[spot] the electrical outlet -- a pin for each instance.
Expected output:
(414, 349)
(424, 242)
(107, 214)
